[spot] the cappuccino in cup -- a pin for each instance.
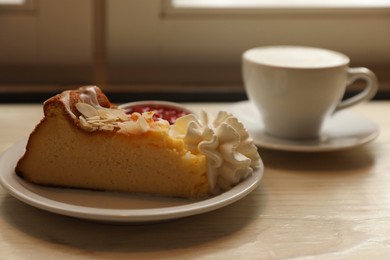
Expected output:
(295, 88)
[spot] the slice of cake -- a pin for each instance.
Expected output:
(85, 142)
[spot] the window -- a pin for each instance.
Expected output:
(202, 40)
(12, 2)
(17, 5)
(243, 7)
(233, 4)
(184, 43)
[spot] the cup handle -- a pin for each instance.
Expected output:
(368, 92)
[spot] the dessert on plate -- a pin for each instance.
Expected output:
(84, 141)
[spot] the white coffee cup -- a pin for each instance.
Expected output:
(296, 88)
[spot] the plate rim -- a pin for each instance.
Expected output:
(13, 185)
(296, 147)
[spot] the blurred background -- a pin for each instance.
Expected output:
(178, 50)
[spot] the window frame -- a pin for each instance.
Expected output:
(281, 7)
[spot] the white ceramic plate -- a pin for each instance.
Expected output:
(110, 206)
(345, 129)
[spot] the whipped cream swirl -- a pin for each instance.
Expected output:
(230, 152)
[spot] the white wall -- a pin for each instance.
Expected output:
(57, 32)
(142, 37)
(139, 32)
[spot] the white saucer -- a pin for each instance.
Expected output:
(111, 206)
(345, 129)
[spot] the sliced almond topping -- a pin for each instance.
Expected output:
(98, 118)
(143, 124)
(87, 126)
(87, 110)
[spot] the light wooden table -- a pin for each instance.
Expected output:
(333, 205)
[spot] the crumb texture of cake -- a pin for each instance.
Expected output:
(61, 151)
(86, 142)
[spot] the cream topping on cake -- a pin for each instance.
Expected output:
(88, 95)
(231, 154)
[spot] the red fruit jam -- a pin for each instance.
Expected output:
(166, 112)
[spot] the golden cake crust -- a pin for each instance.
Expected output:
(66, 101)
(60, 152)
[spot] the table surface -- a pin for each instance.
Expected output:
(332, 205)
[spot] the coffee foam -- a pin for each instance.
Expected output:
(296, 57)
